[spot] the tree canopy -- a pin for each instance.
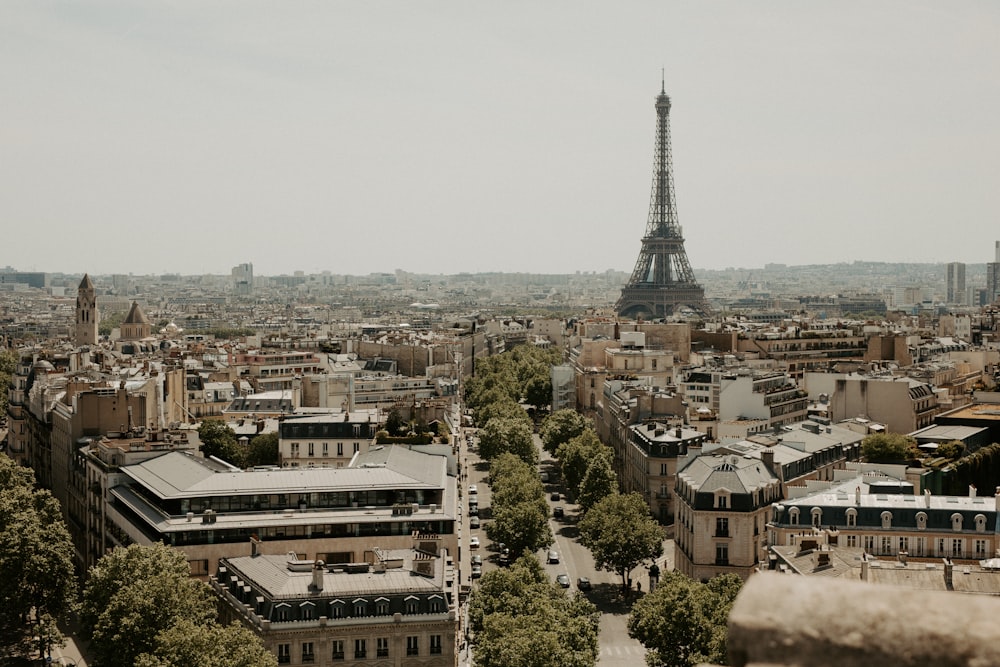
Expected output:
(134, 594)
(577, 455)
(218, 440)
(501, 435)
(621, 534)
(889, 448)
(37, 578)
(522, 619)
(683, 622)
(599, 482)
(561, 426)
(186, 644)
(263, 450)
(520, 513)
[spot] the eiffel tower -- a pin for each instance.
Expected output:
(662, 283)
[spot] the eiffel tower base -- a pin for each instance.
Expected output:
(650, 303)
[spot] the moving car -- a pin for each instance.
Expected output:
(555, 495)
(558, 512)
(553, 556)
(563, 580)
(583, 583)
(473, 542)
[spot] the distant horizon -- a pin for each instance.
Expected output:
(292, 272)
(457, 137)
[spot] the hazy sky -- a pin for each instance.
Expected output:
(440, 137)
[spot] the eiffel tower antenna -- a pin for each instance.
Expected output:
(662, 283)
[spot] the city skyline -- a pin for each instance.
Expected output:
(360, 139)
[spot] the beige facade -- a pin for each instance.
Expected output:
(903, 404)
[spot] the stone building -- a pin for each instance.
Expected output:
(87, 316)
(136, 325)
(396, 607)
(326, 441)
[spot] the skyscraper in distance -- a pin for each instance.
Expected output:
(956, 283)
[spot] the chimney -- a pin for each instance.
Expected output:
(857, 495)
(254, 546)
(972, 490)
(864, 567)
(927, 497)
(767, 457)
(677, 433)
(319, 569)
(948, 572)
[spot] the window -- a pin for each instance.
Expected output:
(940, 547)
(904, 544)
(360, 609)
(357, 447)
(435, 644)
(722, 502)
(340, 449)
(817, 517)
(435, 606)
(921, 521)
(282, 612)
(870, 543)
(957, 550)
(722, 554)
(336, 610)
(793, 516)
(382, 608)
(886, 520)
(413, 646)
(852, 517)
(886, 545)
(284, 653)
(852, 540)
(412, 606)
(295, 449)
(921, 544)
(980, 549)
(956, 521)
(326, 449)
(312, 449)
(338, 649)
(663, 469)
(360, 648)
(721, 527)
(307, 652)
(382, 650)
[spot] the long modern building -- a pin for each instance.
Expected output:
(211, 510)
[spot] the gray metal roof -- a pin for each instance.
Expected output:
(180, 475)
(738, 474)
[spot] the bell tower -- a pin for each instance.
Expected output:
(86, 313)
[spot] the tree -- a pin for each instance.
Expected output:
(8, 364)
(501, 435)
(951, 450)
(538, 390)
(561, 426)
(503, 407)
(521, 619)
(599, 482)
(218, 440)
(394, 423)
(513, 481)
(263, 450)
(186, 644)
(576, 455)
(683, 622)
(621, 534)
(37, 578)
(132, 595)
(524, 526)
(889, 448)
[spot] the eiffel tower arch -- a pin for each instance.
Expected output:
(662, 283)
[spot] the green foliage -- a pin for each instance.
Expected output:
(394, 424)
(577, 455)
(621, 534)
(133, 595)
(8, 363)
(561, 426)
(951, 450)
(110, 321)
(524, 526)
(522, 619)
(599, 482)
(218, 440)
(228, 333)
(37, 578)
(683, 622)
(186, 644)
(502, 435)
(263, 450)
(889, 448)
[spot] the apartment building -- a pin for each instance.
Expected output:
(397, 607)
(326, 441)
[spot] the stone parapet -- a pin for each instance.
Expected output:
(791, 621)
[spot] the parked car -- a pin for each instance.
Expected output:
(558, 512)
(477, 560)
(555, 495)
(477, 571)
(474, 522)
(473, 489)
(473, 509)
(563, 580)
(553, 556)
(473, 542)
(545, 477)
(583, 583)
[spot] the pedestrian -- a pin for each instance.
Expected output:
(638, 586)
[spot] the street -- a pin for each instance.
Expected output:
(616, 648)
